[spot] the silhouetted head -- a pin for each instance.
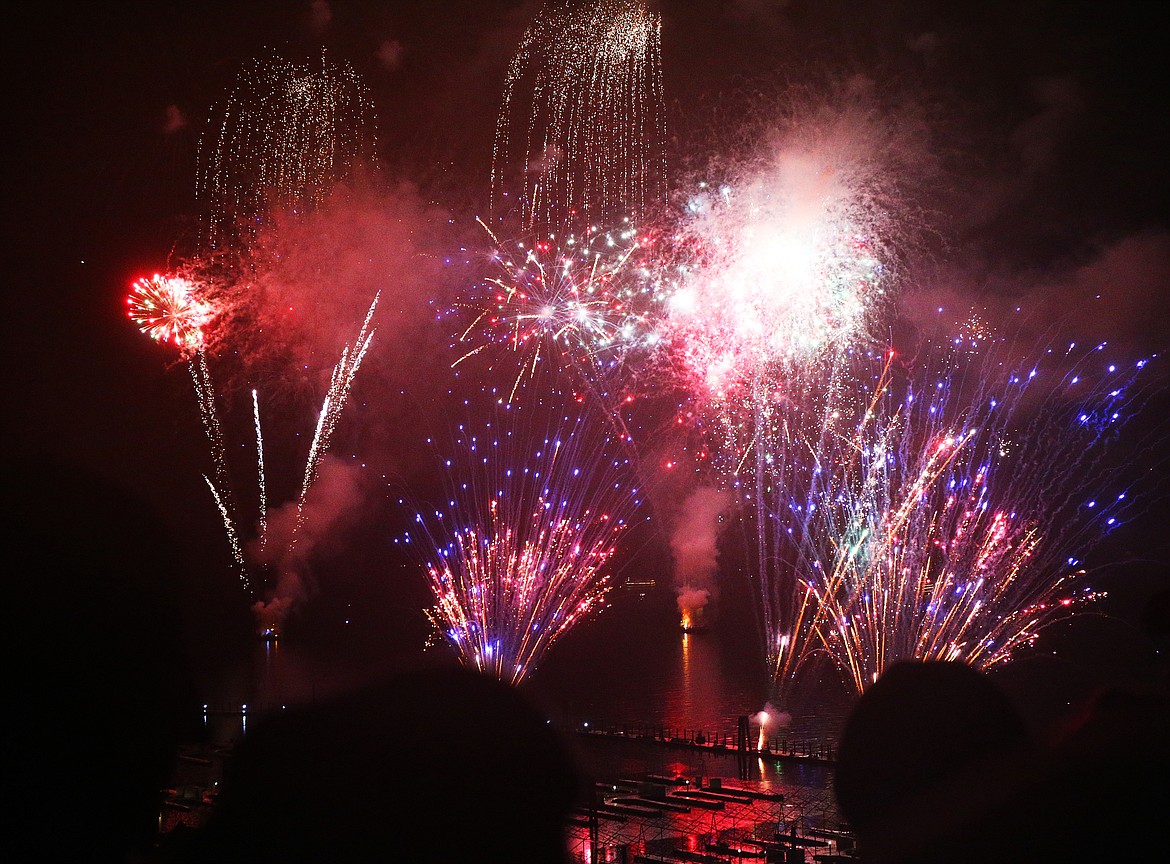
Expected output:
(929, 750)
(447, 762)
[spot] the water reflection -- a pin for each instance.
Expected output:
(688, 705)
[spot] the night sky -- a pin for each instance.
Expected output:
(1047, 121)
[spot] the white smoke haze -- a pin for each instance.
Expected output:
(694, 548)
(770, 720)
(691, 602)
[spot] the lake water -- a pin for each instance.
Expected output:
(630, 667)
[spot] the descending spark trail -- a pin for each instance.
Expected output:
(288, 135)
(588, 78)
(523, 552)
(952, 522)
(233, 536)
(221, 487)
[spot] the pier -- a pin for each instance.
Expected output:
(779, 748)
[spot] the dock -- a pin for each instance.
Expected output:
(671, 819)
(814, 751)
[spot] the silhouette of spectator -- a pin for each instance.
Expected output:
(935, 766)
(101, 683)
(445, 764)
(930, 762)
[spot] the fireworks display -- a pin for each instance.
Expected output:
(587, 307)
(165, 308)
(273, 611)
(169, 309)
(773, 280)
(588, 79)
(525, 549)
(339, 387)
(661, 361)
(934, 506)
(288, 135)
(949, 517)
(780, 267)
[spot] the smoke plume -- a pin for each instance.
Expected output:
(769, 720)
(295, 532)
(694, 547)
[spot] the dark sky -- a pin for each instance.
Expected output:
(1048, 120)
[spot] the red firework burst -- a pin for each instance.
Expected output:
(167, 309)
